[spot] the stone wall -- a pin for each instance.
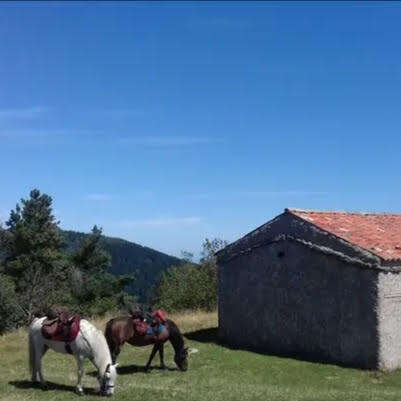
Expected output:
(389, 320)
(287, 299)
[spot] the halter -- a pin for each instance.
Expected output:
(103, 385)
(108, 386)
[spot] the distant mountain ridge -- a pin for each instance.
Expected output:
(129, 257)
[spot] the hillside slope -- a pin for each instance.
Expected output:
(128, 257)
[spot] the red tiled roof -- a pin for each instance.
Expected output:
(377, 233)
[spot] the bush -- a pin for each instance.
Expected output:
(188, 286)
(11, 316)
(191, 286)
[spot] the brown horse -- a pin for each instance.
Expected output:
(122, 329)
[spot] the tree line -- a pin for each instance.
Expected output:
(38, 272)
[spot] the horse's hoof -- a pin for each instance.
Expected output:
(147, 370)
(79, 391)
(163, 367)
(44, 387)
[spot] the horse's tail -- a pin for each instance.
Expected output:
(31, 351)
(108, 333)
(32, 333)
(113, 342)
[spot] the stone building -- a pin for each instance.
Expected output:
(322, 286)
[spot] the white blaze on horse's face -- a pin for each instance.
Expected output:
(107, 382)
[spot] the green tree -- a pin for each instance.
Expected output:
(33, 253)
(209, 265)
(191, 285)
(94, 289)
(187, 257)
(209, 249)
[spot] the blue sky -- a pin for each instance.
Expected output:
(166, 123)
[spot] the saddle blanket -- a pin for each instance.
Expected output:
(143, 328)
(62, 332)
(152, 323)
(155, 331)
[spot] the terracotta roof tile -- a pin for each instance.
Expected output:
(377, 233)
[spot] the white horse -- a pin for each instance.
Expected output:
(89, 343)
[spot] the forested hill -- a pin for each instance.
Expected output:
(128, 257)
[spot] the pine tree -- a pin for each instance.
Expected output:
(90, 257)
(34, 258)
(94, 288)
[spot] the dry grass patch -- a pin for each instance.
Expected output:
(187, 320)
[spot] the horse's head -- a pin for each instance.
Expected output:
(107, 382)
(181, 359)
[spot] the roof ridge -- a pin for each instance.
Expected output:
(290, 210)
(315, 247)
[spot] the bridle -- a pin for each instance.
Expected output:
(104, 387)
(103, 380)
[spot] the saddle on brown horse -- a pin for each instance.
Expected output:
(150, 324)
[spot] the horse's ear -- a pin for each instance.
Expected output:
(108, 368)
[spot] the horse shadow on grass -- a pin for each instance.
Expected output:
(27, 384)
(132, 369)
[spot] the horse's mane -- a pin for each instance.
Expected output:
(96, 341)
(176, 337)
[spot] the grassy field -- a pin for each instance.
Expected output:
(215, 373)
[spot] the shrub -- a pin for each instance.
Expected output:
(188, 286)
(11, 315)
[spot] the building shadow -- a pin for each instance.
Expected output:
(204, 336)
(211, 336)
(27, 384)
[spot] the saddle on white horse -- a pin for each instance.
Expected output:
(63, 328)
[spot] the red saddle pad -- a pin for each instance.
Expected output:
(160, 315)
(61, 332)
(140, 327)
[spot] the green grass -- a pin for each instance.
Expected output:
(215, 373)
